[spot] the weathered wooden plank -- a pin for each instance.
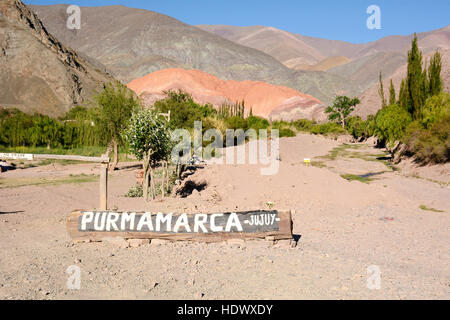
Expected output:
(104, 186)
(16, 156)
(71, 157)
(94, 226)
(20, 156)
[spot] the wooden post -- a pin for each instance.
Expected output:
(167, 177)
(104, 186)
(163, 179)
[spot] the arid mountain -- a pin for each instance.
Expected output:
(133, 42)
(260, 37)
(325, 64)
(265, 100)
(428, 41)
(284, 46)
(370, 99)
(37, 72)
(360, 63)
(366, 70)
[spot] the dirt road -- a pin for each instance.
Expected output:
(351, 211)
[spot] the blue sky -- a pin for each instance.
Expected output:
(338, 19)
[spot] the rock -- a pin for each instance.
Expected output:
(158, 242)
(60, 78)
(286, 244)
(236, 243)
(134, 243)
(117, 241)
(81, 241)
(372, 141)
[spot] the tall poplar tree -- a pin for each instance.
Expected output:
(415, 80)
(392, 97)
(434, 75)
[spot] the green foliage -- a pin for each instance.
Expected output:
(183, 110)
(434, 75)
(425, 208)
(435, 108)
(135, 192)
(416, 81)
(236, 122)
(257, 123)
(304, 125)
(391, 123)
(148, 136)
(429, 139)
(237, 110)
(286, 132)
(356, 126)
(381, 92)
(420, 99)
(370, 126)
(114, 106)
(328, 128)
(403, 97)
(392, 96)
(342, 107)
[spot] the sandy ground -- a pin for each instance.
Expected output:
(342, 227)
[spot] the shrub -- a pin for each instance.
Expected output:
(328, 128)
(304, 125)
(356, 126)
(183, 110)
(429, 145)
(391, 122)
(236, 122)
(435, 108)
(370, 126)
(286, 132)
(257, 123)
(135, 192)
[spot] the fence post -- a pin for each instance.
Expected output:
(104, 186)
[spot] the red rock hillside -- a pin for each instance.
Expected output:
(266, 100)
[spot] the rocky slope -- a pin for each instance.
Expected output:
(37, 72)
(284, 46)
(266, 100)
(360, 63)
(132, 43)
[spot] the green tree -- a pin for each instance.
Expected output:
(149, 140)
(184, 111)
(415, 80)
(392, 95)
(403, 96)
(45, 130)
(115, 104)
(381, 92)
(391, 123)
(342, 107)
(434, 75)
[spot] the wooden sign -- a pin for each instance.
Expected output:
(16, 156)
(95, 225)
